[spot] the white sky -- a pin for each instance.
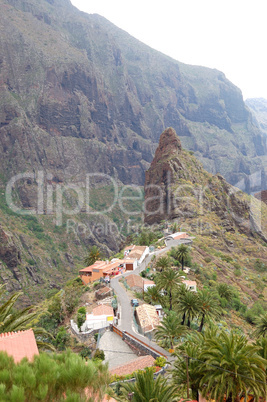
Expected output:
(229, 35)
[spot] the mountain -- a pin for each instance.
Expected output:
(228, 227)
(178, 187)
(80, 95)
(258, 107)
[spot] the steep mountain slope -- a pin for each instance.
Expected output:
(79, 95)
(258, 107)
(229, 227)
(177, 186)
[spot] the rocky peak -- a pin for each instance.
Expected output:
(169, 145)
(178, 187)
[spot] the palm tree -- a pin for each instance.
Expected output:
(186, 366)
(93, 255)
(231, 368)
(146, 389)
(261, 325)
(169, 329)
(209, 306)
(188, 305)
(261, 343)
(225, 291)
(163, 263)
(152, 295)
(181, 254)
(20, 320)
(168, 280)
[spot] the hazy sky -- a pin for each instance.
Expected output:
(229, 35)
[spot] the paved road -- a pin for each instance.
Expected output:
(117, 352)
(126, 321)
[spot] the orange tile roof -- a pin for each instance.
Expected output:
(148, 317)
(138, 364)
(136, 251)
(134, 281)
(103, 309)
(19, 344)
(102, 265)
(103, 290)
(189, 283)
(148, 282)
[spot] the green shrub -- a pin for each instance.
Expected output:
(160, 361)
(62, 339)
(82, 310)
(237, 272)
(99, 354)
(260, 266)
(255, 311)
(207, 259)
(85, 353)
(226, 258)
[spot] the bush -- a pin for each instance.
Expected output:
(82, 310)
(237, 272)
(62, 339)
(85, 353)
(99, 355)
(226, 258)
(160, 361)
(260, 266)
(207, 259)
(255, 311)
(81, 317)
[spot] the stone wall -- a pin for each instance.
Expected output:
(138, 347)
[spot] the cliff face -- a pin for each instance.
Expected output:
(258, 107)
(79, 95)
(177, 187)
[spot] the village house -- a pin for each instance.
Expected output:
(102, 269)
(102, 316)
(147, 318)
(138, 253)
(138, 284)
(19, 344)
(191, 285)
(182, 236)
(103, 293)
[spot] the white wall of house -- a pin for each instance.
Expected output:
(148, 285)
(143, 256)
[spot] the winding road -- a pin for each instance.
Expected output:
(126, 310)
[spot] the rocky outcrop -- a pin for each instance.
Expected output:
(258, 107)
(79, 95)
(9, 253)
(177, 187)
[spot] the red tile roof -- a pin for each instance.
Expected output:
(103, 266)
(147, 317)
(19, 344)
(103, 309)
(103, 290)
(138, 364)
(134, 281)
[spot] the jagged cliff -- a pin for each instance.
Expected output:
(258, 107)
(80, 95)
(178, 187)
